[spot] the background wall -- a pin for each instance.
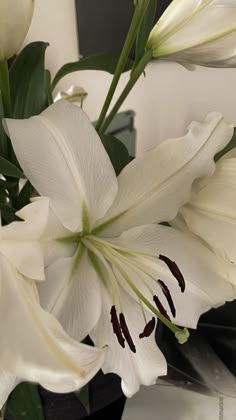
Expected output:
(165, 101)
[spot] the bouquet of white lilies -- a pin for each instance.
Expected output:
(96, 243)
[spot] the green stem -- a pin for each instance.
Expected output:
(133, 30)
(133, 79)
(5, 88)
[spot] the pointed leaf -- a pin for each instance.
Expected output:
(3, 136)
(24, 402)
(7, 168)
(83, 397)
(116, 151)
(24, 196)
(104, 62)
(27, 81)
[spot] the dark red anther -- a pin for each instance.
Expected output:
(148, 329)
(160, 307)
(174, 269)
(117, 327)
(167, 294)
(126, 333)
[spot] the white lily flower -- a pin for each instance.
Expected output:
(110, 270)
(196, 31)
(34, 346)
(211, 211)
(15, 19)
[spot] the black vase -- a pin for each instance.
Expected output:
(106, 401)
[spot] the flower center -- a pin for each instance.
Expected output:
(120, 268)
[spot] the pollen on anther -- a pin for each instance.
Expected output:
(126, 333)
(174, 269)
(167, 294)
(160, 307)
(117, 327)
(148, 329)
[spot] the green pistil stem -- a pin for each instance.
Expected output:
(138, 16)
(136, 73)
(165, 321)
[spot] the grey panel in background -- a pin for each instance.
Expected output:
(103, 24)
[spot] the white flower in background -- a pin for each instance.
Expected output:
(110, 270)
(211, 211)
(75, 94)
(15, 19)
(34, 347)
(196, 31)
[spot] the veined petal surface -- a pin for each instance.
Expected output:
(206, 276)
(63, 157)
(75, 299)
(211, 212)
(198, 31)
(135, 369)
(35, 347)
(154, 186)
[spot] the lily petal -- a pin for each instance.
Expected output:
(74, 299)
(153, 187)
(197, 31)
(204, 274)
(135, 369)
(211, 212)
(35, 347)
(19, 240)
(62, 134)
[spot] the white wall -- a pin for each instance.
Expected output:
(165, 101)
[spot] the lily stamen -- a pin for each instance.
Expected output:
(148, 329)
(169, 299)
(126, 333)
(174, 269)
(117, 329)
(160, 307)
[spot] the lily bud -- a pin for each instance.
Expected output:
(196, 31)
(15, 19)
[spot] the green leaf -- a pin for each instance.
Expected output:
(145, 29)
(23, 198)
(3, 136)
(116, 151)
(7, 168)
(48, 86)
(83, 397)
(27, 81)
(231, 145)
(7, 213)
(8, 184)
(105, 62)
(25, 403)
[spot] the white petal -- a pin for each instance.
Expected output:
(76, 301)
(135, 369)
(35, 216)
(53, 248)
(8, 382)
(154, 186)
(206, 276)
(211, 213)
(19, 240)
(201, 32)
(35, 348)
(63, 157)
